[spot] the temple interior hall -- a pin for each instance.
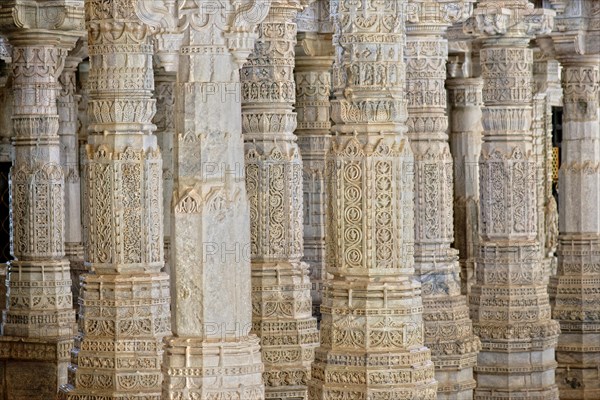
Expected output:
(300, 199)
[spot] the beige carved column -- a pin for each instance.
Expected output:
(575, 287)
(509, 300)
(69, 155)
(546, 93)
(281, 300)
(164, 119)
(6, 160)
(372, 323)
(212, 354)
(464, 94)
(314, 56)
(125, 302)
(448, 329)
(39, 322)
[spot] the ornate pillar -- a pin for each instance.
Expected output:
(464, 94)
(212, 353)
(165, 132)
(575, 287)
(314, 56)
(448, 330)
(39, 322)
(546, 93)
(125, 301)
(281, 300)
(372, 323)
(6, 160)
(69, 157)
(509, 300)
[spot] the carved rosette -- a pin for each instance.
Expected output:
(372, 313)
(281, 300)
(574, 288)
(448, 330)
(125, 304)
(509, 301)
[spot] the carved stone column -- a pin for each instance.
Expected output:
(509, 301)
(165, 132)
(39, 322)
(372, 326)
(547, 93)
(125, 302)
(464, 95)
(281, 300)
(69, 157)
(314, 56)
(575, 287)
(212, 353)
(448, 330)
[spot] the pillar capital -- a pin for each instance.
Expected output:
(510, 22)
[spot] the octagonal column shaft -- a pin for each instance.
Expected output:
(372, 323)
(465, 142)
(69, 155)
(448, 329)
(509, 300)
(281, 299)
(575, 302)
(212, 353)
(313, 88)
(125, 303)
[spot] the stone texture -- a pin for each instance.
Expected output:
(39, 301)
(314, 56)
(509, 301)
(212, 353)
(574, 289)
(67, 106)
(372, 323)
(448, 330)
(125, 301)
(281, 300)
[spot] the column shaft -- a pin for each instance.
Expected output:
(281, 299)
(509, 301)
(465, 143)
(313, 88)
(125, 300)
(372, 323)
(574, 288)
(212, 353)
(448, 329)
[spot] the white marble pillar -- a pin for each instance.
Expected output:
(68, 102)
(465, 129)
(372, 313)
(164, 119)
(314, 56)
(39, 321)
(212, 354)
(509, 300)
(281, 299)
(125, 300)
(448, 329)
(575, 287)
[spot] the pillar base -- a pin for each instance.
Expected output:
(33, 369)
(200, 369)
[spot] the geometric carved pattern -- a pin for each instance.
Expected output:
(509, 302)
(372, 313)
(281, 301)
